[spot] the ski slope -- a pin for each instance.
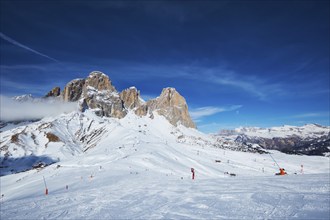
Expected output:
(148, 195)
(139, 168)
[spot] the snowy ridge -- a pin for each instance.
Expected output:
(306, 131)
(23, 98)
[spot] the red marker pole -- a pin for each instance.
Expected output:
(193, 173)
(46, 192)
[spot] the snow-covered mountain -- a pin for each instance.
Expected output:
(54, 139)
(97, 92)
(310, 139)
(103, 111)
(307, 131)
(29, 98)
(121, 157)
(100, 167)
(24, 98)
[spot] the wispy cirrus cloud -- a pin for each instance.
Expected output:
(256, 86)
(312, 115)
(14, 42)
(253, 85)
(261, 88)
(239, 83)
(218, 75)
(211, 110)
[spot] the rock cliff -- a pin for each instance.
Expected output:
(172, 106)
(55, 92)
(73, 90)
(131, 98)
(97, 92)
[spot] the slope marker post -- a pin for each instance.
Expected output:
(46, 191)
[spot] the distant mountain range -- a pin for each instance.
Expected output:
(310, 139)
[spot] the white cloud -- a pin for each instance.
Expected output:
(11, 110)
(211, 110)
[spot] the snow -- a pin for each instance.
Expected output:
(97, 73)
(142, 100)
(24, 98)
(139, 168)
(306, 131)
(11, 126)
(75, 80)
(113, 195)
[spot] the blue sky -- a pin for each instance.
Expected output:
(237, 63)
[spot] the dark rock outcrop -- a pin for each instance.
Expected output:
(73, 90)
(105, 103)
(55, 92)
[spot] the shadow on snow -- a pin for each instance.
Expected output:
(10, 165)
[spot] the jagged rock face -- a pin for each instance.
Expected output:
(73, 90)
(172, 106)
(114, 109)
(99, 81)
(101, 95)
(56, 91)
(105, 103)
(97, 92)
(142, 110)
(131, 98)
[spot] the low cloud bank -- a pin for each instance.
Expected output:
(11, 110)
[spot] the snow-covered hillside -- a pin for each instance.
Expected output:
(140, 167)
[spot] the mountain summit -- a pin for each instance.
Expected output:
(97, 92)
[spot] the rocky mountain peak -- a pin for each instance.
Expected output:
(97, 92)
(170, 97)
(172, 106)
(131, 98)
(169, 104)
(99, 81)
(101, 95)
